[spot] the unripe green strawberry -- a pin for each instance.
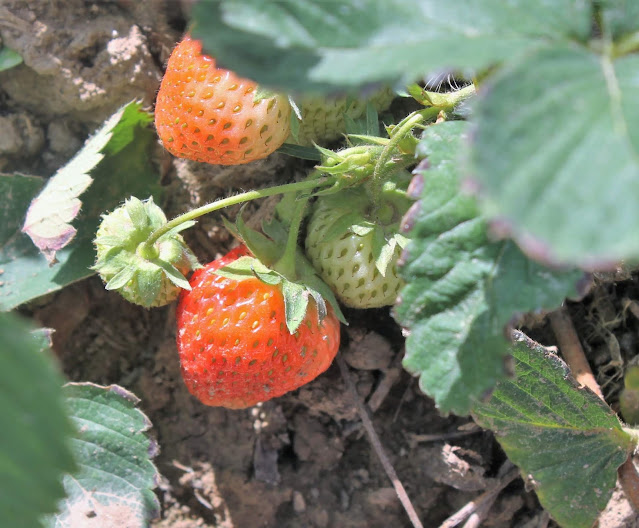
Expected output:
(323, 118)
(355, 248)
(149, 276)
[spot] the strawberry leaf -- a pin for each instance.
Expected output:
(311, 46)
(26, 275)
(547, 190)
(116, 476)
(619, 17)
(567, 442)
(49, 216)
(35, 431)
(463, 289)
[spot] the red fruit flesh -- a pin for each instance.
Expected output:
(234, 346)
(208, 114)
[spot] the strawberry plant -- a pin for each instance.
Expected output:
(468, 209)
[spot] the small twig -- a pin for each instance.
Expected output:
(629, 480)
(479, 507)
(574, 355)
(572, 351)
(409, 386)
(377, 445)
(439, 437)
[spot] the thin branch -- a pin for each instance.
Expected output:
(572, 351)
(377, 445)
(478, 508)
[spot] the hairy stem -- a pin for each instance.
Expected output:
(237, 199)
(398, 134)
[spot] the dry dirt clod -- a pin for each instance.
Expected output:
(368, 352)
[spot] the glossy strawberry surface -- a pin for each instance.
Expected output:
(234, 346)
(209, 114)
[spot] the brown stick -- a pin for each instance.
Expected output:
(476, 509)
(377, 445)
(572, 350)
(573, 353)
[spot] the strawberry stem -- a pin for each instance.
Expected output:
(398, 134)
(237, 199)
(286, 265)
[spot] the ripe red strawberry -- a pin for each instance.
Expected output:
(234, 346)
(209, 114)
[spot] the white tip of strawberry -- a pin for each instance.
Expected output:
(146, 275)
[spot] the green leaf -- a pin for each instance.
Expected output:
(35, 431)
(462, 289)
(556, 155)
(126, 169)
(619, 17)
(49, 215)
(116, 475)
(9, 58)
(247, 268)
(315, 46)
(299, 151)
(562, 435)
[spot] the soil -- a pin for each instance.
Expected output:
(302, 460)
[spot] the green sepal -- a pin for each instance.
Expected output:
(316, 284)
(383, 250)
(258, 244)
(174, 275)
(364, 130)
(418, 93)
(250, 268)
(363, 228)
(295, 304)
(402, 241)
(137, 213)
(120, 278)
(370, 139)
(299, 151)
(149, 284)
(343, 222)
(258, 267)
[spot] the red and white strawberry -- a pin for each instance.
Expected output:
(209, 114)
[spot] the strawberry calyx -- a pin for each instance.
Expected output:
(299, 283)
(146, 274)
(355, 165)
